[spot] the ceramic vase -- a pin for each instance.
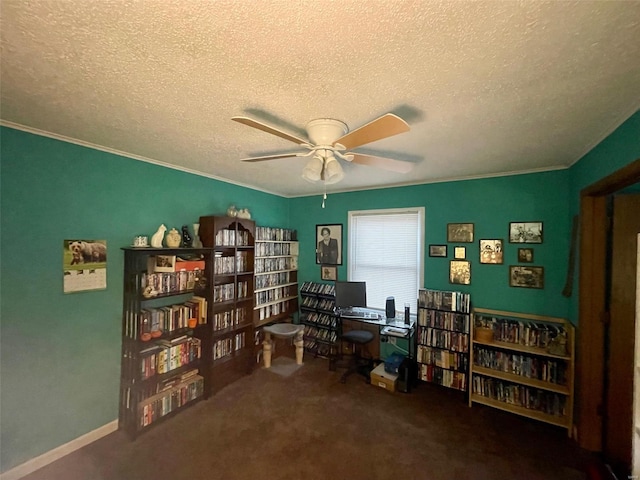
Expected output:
(196, 236)
(173, 239)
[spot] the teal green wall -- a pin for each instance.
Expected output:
(488, 203)
(60, 354)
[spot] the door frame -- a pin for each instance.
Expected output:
(591, 312)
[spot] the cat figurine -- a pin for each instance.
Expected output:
(158, 237)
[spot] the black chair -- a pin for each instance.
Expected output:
(357, 361)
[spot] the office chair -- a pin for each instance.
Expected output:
(357, 361)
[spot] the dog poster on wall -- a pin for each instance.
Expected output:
(84, 263)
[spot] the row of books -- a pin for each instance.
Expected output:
(272, 279)
(519, 395)
(169, 282)
(165, 402)
(544, 369)
(239, 238)
(444, 377)
(227, 346)
(434, 337)
(169, 318)
(167, 355)
(459, 322)
(271, 249)
(320, 334)
(276, 264)
(227, 291)
(229, 319)
(325, 304)
(274, 233)
(442, 358)
(318, 288)
(323, 319)
(522, 332)
(273, 309)
(275, 294)
(445, 300)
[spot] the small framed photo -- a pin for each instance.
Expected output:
(164, 263)
(437, 250)
(329, 244)
(525, 255)
(459, 253)
(460, 232)
(525, 232)
(491, 251)
(526, 276)
(460, 272)
(329, 272)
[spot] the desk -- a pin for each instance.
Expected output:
(377, 328)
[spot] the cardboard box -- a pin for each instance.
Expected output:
(382, 379)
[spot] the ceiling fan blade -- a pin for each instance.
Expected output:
(269, 129)
(390, 164)
(382, 127)
(272, 157)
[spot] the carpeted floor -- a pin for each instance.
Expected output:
(307, 425)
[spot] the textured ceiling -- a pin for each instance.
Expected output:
(488, 87)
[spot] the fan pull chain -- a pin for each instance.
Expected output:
(324, 197)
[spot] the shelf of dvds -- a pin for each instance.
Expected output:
(232, 288)
(444, 322)
(524, 364)
(164, 334)
(317, 314)
(276, 275)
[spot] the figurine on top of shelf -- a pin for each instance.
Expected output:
(232, 211)
(244, 213)
(158, 237)
(187, 240)
(174, 239)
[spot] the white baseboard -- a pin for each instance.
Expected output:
(58, 452)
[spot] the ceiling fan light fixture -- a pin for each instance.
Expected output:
(333, 172)
(313, 170)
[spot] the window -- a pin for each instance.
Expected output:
(386, 250)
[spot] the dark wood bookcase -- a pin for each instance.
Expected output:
(232, 288)
(317, 314)
(443, 338)
(165, 360)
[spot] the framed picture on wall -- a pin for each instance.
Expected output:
(460, 232)
(525, 255)
(526, 276)
(329, 272)
(329, 244)
(437, 250)
(525, 232)
(459, 253)
(460, 272)
(491, 251)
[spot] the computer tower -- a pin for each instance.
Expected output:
(407, 375)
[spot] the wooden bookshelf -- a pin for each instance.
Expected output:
(165, 336)
(442, 353)
(527, 368)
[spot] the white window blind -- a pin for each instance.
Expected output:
(386, 250)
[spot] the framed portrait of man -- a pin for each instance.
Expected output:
(329, 244)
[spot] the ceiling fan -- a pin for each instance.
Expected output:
(329, 138)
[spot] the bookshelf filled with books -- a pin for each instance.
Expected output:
(276, 275)
(524, 364)
(317, 314)
(232, 289)
(165, 333)
(444, 322)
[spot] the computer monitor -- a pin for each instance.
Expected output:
(351, 294)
